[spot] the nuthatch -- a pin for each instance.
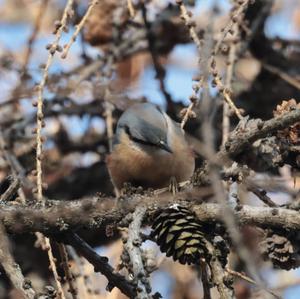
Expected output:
(149, 149)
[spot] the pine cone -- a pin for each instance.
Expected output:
(181, 235)
(282, 251)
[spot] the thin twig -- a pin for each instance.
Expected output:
(82, 277)
(11, 190)
(227, 29)
(35, 31)
(284, 76)
(12, 269)
(101, 265)
(45, 243)
(40, 124)
(185, 15)
(205, 280)
(109, 122)
(131, 8)
(191, 25)
(12, 162)
(262, 195)
(250, 280)
(159, 69)
(227, 97)
(228, 81)
(78, 28)
(66, 267)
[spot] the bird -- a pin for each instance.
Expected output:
(149, 149)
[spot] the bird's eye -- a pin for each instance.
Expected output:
(163, 145)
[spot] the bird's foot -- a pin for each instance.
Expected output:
(173, 185)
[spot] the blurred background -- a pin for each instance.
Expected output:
(109, 67)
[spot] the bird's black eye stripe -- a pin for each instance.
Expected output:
(159, 110)
(143, 141)
(127, 130)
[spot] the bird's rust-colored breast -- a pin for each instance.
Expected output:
(148, 168)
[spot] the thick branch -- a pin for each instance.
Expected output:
(219, 276)
(241, 139)
(94, 213)
(135, 254)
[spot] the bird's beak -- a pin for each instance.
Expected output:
(163, 145)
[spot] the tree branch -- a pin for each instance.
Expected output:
(12, 269)
(100, 264)
(240, 139)
(219, 276)
(132, 246)
(94, 213)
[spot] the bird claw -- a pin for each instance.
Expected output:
(173, 185)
